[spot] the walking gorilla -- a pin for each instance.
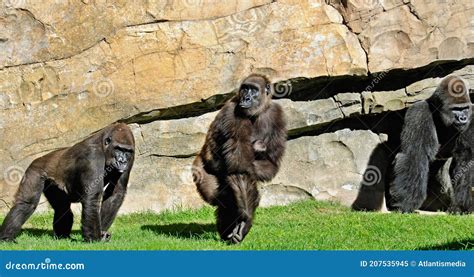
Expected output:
(244, 145)
(435, 129)
(93, 172)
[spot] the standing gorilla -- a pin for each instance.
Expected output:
(244, 145)
(434, 129)
(94, 172)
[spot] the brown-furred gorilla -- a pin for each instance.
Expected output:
(435, 129)
(93, 172)
(244, 145)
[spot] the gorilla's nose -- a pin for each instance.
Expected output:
(462, 119)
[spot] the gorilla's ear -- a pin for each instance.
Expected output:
(268, 88)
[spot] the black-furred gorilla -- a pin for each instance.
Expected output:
(245, 144)
(435, 129)
(93, 172)
(462, 172)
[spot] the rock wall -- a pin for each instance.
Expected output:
(344, 73)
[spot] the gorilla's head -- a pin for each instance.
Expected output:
(254, 94)
(455, 104)
(119, 147)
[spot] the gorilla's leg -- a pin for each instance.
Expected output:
(235, 213)
(207, 184)
(439, 187)
(63, 217)
(461, 174)
(26, 201)
(227, 218)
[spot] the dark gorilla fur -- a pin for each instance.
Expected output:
(93, 172)
(462, 172)
(244, 145)
(435, 129)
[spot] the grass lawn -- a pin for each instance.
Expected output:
(304, 225)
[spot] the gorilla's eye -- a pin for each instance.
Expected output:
(254, 92)
(108, 141)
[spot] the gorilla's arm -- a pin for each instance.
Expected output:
(92, 182)
(267, 163)
(113, 199)
(231, 135)
(419, 145)
(461, 172)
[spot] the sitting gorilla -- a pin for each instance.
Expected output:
(435, 129)
(93, 172)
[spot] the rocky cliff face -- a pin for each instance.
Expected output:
(345, 71)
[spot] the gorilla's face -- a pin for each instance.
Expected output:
(254, 94)
(249, 96)
(457, 115)
(453, 92)
(121, 158)
(119, 150)
(461, 117)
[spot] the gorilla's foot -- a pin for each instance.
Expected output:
(62, 236)
(8, 239)
(105, 236)
(237, 235)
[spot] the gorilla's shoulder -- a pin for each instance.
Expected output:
(418, 111)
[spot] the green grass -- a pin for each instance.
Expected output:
(304, 225)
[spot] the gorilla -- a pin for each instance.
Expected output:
(244, 145)
(462, 172)
(435, 129)
(93, 172)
